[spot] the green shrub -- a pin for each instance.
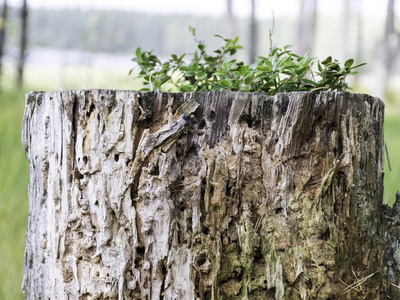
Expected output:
(280, 71)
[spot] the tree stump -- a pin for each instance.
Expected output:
(208, 195)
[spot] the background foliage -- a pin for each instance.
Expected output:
(282, 71)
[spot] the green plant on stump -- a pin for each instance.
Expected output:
(280, 71)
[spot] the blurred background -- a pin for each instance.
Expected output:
(84, 44)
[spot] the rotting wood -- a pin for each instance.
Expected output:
(140, 195)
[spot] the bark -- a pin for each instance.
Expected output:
(140, 195)
(23, 43)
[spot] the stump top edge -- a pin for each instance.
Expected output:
(323, 93)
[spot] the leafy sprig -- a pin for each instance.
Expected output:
(280, 71)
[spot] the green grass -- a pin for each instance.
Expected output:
(80, 77)
(14, 179)
(392, 139)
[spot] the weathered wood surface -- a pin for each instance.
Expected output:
(139, 195)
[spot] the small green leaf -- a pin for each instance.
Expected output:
(185, 68)
(363, 64)
(192, 30)
(249, 79)
(219, 73)
(333, 66)
(268, 64)
(202, 75)
(225, 83)
(327, 60)
(349, 63)
(308, 81)
(164, 80)
(186, 88)
(138, 53)
(264, 69)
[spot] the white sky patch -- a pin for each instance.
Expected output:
(264, 8)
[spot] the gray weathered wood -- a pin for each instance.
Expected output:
(139, 195)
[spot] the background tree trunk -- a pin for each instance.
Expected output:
(253, 33)
(389, 47)
(140, 195)
(4, 14)
(360, 47)
(230, 24)
(345, 29)
(23, 43)
(306, 25)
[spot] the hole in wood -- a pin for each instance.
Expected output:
(216, 209)
(116, 157)
(91, 250)
(206, 230)
(140, 250)
(246, 119)
(77, 174)
(128, 161)
(197, 284)
(84, 158)
(137, 262)
(163, 269)
(155, 171)
(134, 195)
(212, 116)
(229, 185)
(202, 124)
(201, 259)
(325, 236)
(239, 274)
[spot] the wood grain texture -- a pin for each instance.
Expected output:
(141, 195)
